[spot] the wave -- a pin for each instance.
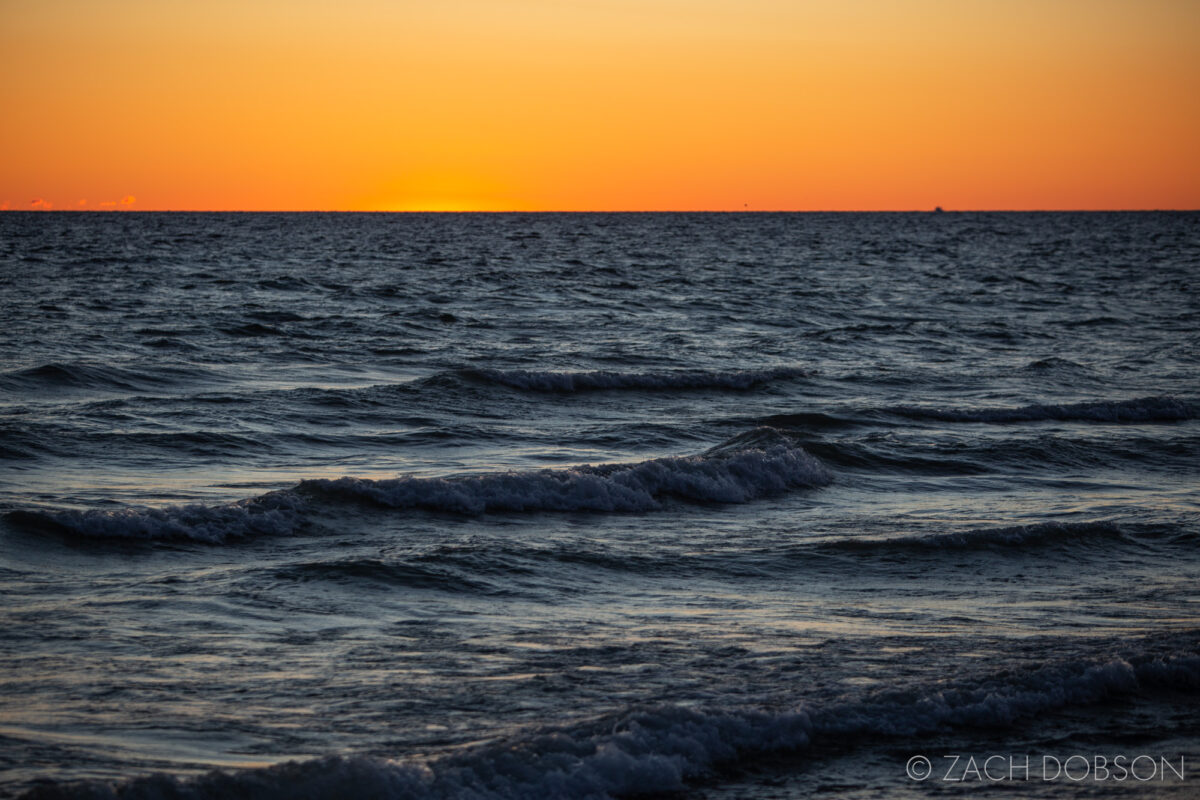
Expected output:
(251, 329)
(59, 376)
(812, 420)
(1054, 364)
(1039, 534)
(1142, 409)
(664, 749)
(500, 565)
(568, 382)
(751, 466)
(1019, 454)
(275, 513)
(374, 571)
(766, 464)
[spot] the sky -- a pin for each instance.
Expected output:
(599, 104)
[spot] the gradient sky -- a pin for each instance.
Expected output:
(600, 104)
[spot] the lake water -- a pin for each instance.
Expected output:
(597, 505)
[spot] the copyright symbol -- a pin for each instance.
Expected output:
(919, 768)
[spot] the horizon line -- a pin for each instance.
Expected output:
(936, 210)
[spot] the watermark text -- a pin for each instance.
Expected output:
(1073, 768)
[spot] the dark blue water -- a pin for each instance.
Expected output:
(595, 505)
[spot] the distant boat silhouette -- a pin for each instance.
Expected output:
(939, 210)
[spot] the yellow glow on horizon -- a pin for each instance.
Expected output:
(420, 190)
(600, 104)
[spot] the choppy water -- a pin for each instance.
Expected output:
(594, 505)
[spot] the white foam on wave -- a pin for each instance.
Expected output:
(664, 749)
(1142, 409)
(757, 464)
(549, 381)
(719, 476)
(277, 513)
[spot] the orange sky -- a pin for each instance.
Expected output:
(600, 104)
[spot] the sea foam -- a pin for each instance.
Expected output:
(726, 474)
(751, 466)
(276, 513)
(666, 748)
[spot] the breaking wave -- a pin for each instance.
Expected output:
(664, 749)
(276, 513)
(736, 472)
(751, 466)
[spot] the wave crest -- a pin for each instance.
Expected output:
(1014, 536)
(105, 377)
(722, 475)
(754, 465)
(568, 382)
(276, 513)
(663, 749)
(1142, 409)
